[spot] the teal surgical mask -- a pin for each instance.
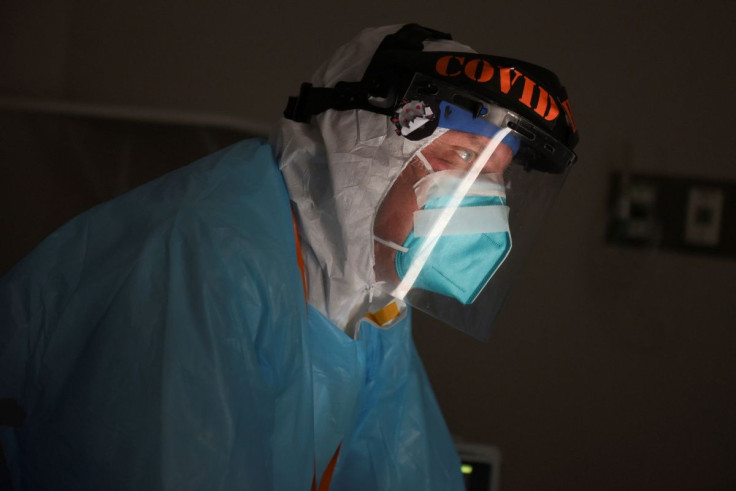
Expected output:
(472, 246)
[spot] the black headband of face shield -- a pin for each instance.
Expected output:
(376, 92)
(399, 58)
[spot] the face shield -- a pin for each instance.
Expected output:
(453, 229)
(491, 142)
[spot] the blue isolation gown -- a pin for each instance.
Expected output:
(162, 341)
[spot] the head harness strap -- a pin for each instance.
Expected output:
(366, 94)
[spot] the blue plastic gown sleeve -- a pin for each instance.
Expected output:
(373, 397)
(162, 341)
(157, 340)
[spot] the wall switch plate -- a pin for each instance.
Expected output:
(704, 216)
(681, 214)
(639, 212)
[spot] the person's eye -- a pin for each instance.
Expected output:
(465, 154)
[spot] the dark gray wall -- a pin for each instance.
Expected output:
(610, 368)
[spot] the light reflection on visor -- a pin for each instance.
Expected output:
(446, 214)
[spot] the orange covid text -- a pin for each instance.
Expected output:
(530, 93)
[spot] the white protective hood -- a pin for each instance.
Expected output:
(337, 170)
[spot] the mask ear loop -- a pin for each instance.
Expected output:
(424, 161)
(392, 245)
(416, 153)
(444, 218)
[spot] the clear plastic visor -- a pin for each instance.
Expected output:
(454, 228)
(430, 103)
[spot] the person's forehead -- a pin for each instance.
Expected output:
(460, 137)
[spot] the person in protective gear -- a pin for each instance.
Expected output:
(454, 154)
(163, 340)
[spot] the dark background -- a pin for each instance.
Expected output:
(610, 368)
